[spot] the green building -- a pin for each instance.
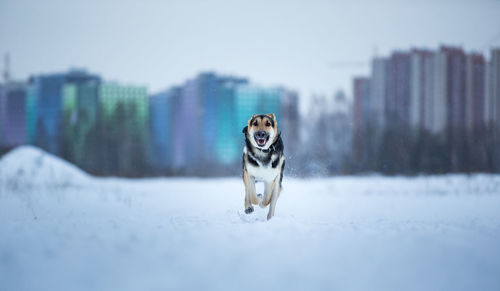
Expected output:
(133, 98)
(105, 127)
(31, 115)
(123, 130)
(79, 105)
(252, 100)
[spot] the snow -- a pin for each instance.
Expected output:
(28, 167)
(61, 229)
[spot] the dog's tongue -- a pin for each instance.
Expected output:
(261, 141)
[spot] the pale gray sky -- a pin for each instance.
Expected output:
(293, 43)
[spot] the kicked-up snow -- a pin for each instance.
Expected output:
(70, 231)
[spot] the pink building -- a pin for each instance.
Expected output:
(475, 92)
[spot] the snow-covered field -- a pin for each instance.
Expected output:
(61, 229)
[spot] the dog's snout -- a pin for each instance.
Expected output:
(261, 134)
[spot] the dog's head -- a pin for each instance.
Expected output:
(262, 130)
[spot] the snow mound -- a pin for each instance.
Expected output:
(28, 167)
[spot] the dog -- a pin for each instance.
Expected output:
(263, 161)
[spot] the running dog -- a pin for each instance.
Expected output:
(263, 161)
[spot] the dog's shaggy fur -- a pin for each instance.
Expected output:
(263, 161)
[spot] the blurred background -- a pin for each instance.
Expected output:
(150, 88)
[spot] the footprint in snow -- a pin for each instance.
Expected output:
(256, 216)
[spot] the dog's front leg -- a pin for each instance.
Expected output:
(275, 192)
(268, 191)
(250, 196)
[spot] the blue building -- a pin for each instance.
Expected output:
(208, 92)
(218, 118)
(161, 141)
(198, 125)
(228, 133)
(176, 131)
(45, 107)
(204, 117)
(187, 130)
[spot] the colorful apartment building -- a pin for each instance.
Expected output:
(397, 102)
(161, 125)
(12, 114)
(493, 87)
(80, 114)
(475, 93)
(421, 87)
(44, 107)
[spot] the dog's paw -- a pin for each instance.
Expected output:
(249, 210)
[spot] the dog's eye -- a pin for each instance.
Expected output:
(268, 123)
(255, 123)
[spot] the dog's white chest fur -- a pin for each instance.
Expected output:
(265, 173)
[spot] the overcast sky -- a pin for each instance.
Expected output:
(311, 46)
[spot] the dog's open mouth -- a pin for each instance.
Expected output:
(261, 141)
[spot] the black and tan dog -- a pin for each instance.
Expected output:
(263, 161)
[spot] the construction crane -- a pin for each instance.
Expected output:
(348, 64)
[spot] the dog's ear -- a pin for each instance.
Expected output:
(251, 119)
(245, 130)
(273, 117)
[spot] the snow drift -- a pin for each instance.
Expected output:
(28, 167)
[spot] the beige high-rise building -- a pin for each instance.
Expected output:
(492, 104)
(474, 91)
(439, 106)
(421, 88)
(378, 91)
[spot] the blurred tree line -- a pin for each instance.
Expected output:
(400, 149)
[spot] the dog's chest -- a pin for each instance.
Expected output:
(263, 173)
